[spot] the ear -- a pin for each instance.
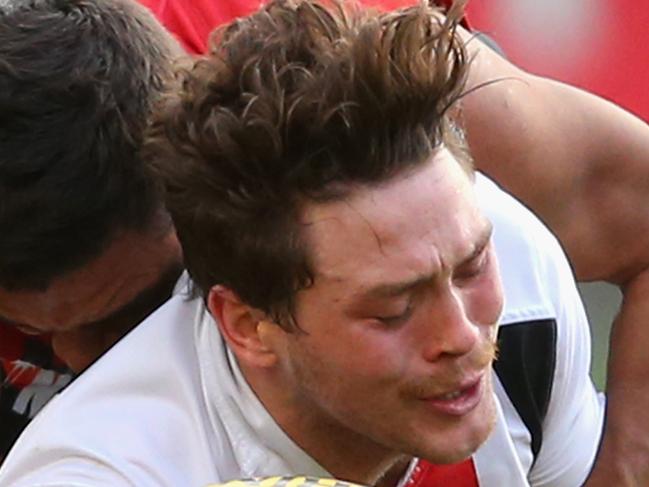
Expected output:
(247, 331)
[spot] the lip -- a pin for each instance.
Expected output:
(470, 394)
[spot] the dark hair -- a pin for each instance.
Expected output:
(77, 82)
(299, 102)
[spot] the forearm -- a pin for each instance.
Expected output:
(623, 459)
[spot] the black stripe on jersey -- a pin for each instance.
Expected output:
(525, 367)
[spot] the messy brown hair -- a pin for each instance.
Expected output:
(301, 101)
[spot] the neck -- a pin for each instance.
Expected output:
(343, 452)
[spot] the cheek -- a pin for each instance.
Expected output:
(485, 301)
(362, 354)
(349, 349)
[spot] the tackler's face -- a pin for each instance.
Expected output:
(86, 310)
(400, 323)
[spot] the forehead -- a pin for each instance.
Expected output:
(417, 223)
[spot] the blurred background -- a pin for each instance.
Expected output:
(599, 45)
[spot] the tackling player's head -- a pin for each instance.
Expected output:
(84, 233)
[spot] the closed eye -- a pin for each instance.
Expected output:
(472, 268)
(397, 319)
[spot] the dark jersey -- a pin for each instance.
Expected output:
(31, 374)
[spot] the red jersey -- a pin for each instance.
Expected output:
(461, 474)
(191, 21)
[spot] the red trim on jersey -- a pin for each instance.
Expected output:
(191, 21)
(18, 374)
(461, 474)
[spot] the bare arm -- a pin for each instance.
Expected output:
(582, 164)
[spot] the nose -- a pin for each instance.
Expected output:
(449, 331)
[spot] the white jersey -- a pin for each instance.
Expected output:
(168, 406)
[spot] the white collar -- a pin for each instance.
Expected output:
(260, 446)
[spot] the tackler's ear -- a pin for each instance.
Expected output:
(247, 331)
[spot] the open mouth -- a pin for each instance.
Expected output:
(460, 401)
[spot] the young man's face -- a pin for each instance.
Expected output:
(401, 320)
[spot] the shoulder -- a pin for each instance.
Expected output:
(145, 384)
(544, 347)
(532, 263)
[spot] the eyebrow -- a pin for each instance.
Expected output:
(393, 289)
(138, 308)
